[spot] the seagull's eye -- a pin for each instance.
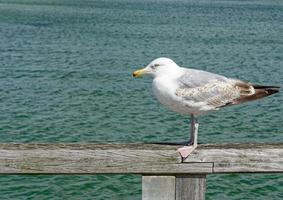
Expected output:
(155, 65)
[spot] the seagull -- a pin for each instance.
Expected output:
(195, 92)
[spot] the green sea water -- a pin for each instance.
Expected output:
(65, 76)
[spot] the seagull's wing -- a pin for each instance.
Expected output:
(195, 78)
(213, 90)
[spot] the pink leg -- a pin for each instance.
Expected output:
(185, 151)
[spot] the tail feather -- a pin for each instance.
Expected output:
(260, 92)
(266, 87)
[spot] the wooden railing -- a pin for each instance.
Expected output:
(164, 175)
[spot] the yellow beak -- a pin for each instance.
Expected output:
(139, 72)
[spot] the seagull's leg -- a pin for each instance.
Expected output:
(187, 150)
(192, 138)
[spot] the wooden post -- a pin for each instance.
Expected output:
(190, 187)
(180, 187)
(158, 187)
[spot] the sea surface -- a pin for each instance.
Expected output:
(65, 76)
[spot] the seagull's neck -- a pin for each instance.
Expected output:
(169, 73)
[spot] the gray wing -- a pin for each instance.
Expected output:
(196, 78)
(211, 89)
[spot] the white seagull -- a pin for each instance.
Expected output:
(194, 92)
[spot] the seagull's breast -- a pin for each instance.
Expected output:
(164, 89)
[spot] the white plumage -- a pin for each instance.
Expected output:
(194, 92)
(191, 91)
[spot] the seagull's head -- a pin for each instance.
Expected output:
(158, 67)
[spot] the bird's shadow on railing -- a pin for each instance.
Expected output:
(170, 143)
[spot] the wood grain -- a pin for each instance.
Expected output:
(239, 158)
(138, 159)
(158, 187)
(190, 187)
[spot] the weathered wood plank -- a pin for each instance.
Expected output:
(138, 158)
(158, 187)
(190, 187)
(241, 157)
(94, 159)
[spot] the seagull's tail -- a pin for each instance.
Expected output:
(260, 92)
(268, 90)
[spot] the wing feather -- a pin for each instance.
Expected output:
(204, 88)
(196, 78)
(212, 89)
(215, 93)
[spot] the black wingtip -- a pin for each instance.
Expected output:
(271, 91)
(266, 87)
